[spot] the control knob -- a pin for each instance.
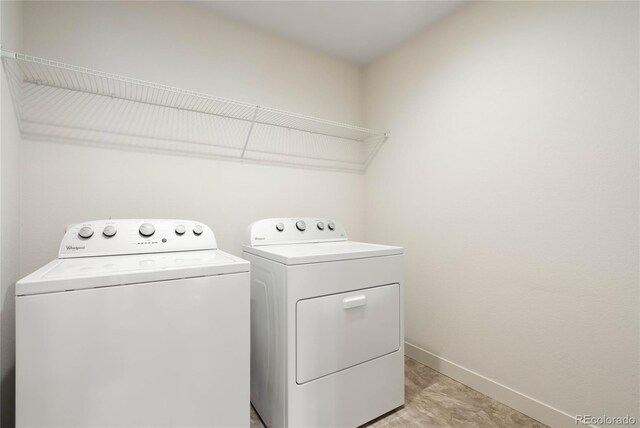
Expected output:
(280, 227)
(301, 225)
(147, 229)
(197, 230)
(180, 229)
(331, 226)
(109, 231)
(320, 225)
(85, 232)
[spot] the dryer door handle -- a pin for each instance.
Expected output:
(354, 301)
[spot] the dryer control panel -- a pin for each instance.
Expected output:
(116, 237)
(273, 231)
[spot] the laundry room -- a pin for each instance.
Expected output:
(319, 213)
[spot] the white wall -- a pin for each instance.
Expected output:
(187, 46)
(11, 38)
(511, 178)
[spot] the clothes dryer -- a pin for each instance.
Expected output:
(326, 324)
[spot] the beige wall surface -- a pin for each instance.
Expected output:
(10, 141)
(511, 178)
(187, 46)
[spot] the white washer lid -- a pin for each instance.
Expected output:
(104, 271)
(295, 254)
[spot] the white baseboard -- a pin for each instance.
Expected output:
(529, 406)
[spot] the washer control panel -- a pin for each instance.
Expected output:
(115, 237)
(274, 231)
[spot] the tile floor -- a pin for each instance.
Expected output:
(434, 400)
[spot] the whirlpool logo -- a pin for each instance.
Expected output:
(71, 247)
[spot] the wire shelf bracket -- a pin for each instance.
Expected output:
(65, 103)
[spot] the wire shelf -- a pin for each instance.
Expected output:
(61, 102)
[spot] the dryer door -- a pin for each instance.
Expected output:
(342, 330)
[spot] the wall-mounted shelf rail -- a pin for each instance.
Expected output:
(61, 102)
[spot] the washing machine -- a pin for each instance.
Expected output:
(326, 324)
(137, 323)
